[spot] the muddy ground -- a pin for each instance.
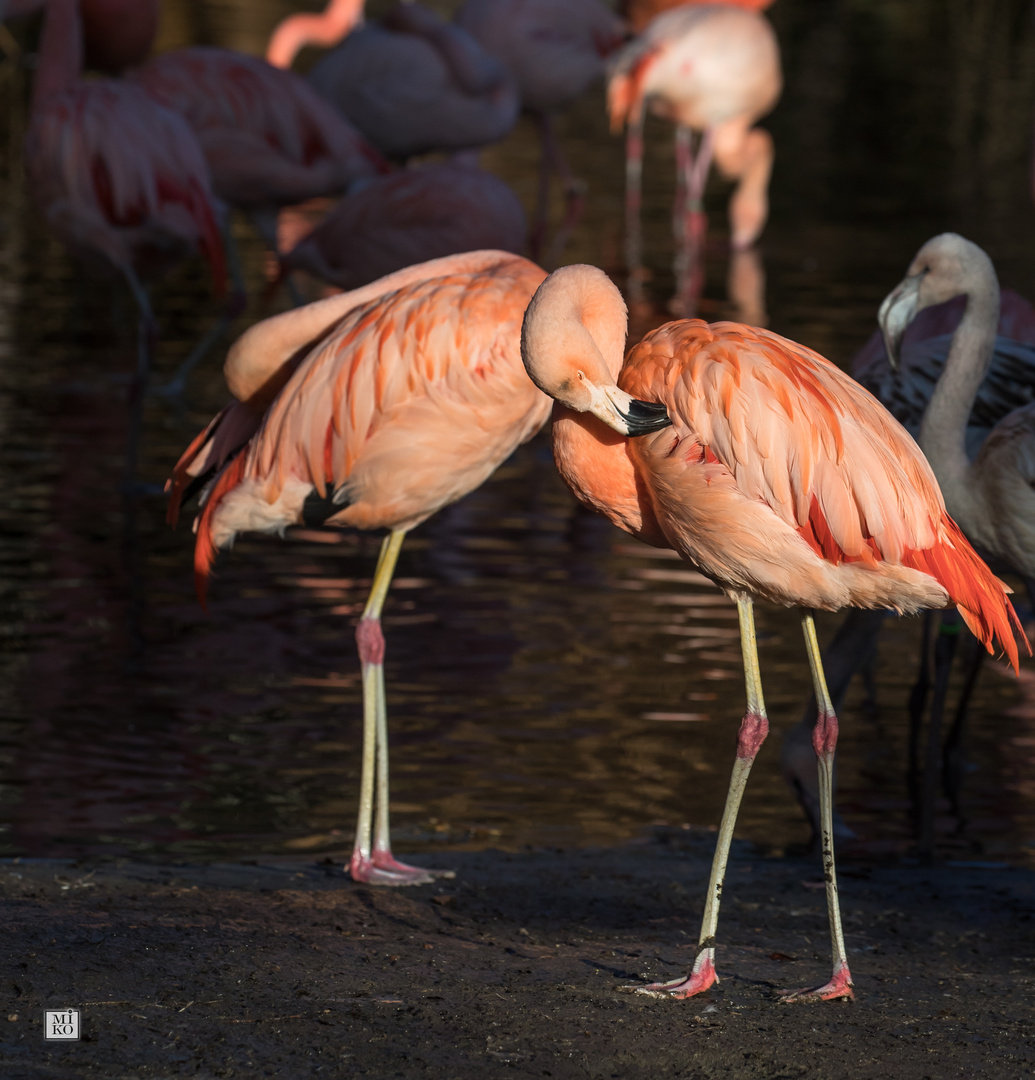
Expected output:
(514, 969)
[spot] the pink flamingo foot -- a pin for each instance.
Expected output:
(382, 868)
(702, 978)
(840, 986)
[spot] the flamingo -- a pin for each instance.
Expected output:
(780, 479)
(409, 217)
(411, 83)
(372, 410)
(713, 69)
(904, 388)
(554, 51)
(269, 139)
(120, 179)
(990, 496)
(638, 13)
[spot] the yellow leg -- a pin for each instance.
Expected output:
(372, 860)
(753, 730)
(824, 740)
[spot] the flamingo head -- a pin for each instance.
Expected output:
(946, 266)
(572, 343)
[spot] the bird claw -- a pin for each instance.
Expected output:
(700, 979)
(839, 986)
(383, 869)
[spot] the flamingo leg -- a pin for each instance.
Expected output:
(633, 199)
(753, 730)
(691, 222)
(824, 740)
(372, 860)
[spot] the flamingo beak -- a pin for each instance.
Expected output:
(626, 414)
(898, 310)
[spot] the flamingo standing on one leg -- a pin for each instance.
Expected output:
(120, 179)
(638, 13)
(780, 478)
(410, 83)
(409, 217)
(372, 410)
(713, 69)
(554, 51)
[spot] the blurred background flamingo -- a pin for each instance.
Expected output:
(120, 179)
(714, 70)
(409, 217)
(411, 83)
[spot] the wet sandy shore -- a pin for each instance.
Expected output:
(514, 969)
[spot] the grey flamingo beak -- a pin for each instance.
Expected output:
(897, 311)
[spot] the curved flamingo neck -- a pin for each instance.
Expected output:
(943, 429)
(339, 18)
(61, 51)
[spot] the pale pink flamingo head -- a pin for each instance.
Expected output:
(946, 266)
(572, 345)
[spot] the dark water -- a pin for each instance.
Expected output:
(550, 681)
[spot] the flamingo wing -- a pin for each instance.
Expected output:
(409, 401)
(827, 480)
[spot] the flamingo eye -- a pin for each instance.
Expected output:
(581, 376)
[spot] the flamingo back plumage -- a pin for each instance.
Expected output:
(408, 402)
(817, 495)
(105, 158)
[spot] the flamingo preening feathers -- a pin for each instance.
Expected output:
(371, 409)
(779, 478)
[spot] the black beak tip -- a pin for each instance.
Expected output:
(644, 417)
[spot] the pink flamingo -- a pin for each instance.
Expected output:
(409, 217)
(554, 51)
(372, 410)
(638, 13)
(713, 69)
(410, 83)
(120, 179)
(780, 479)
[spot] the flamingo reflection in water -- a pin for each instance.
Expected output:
(779, 478)
(371, 409)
